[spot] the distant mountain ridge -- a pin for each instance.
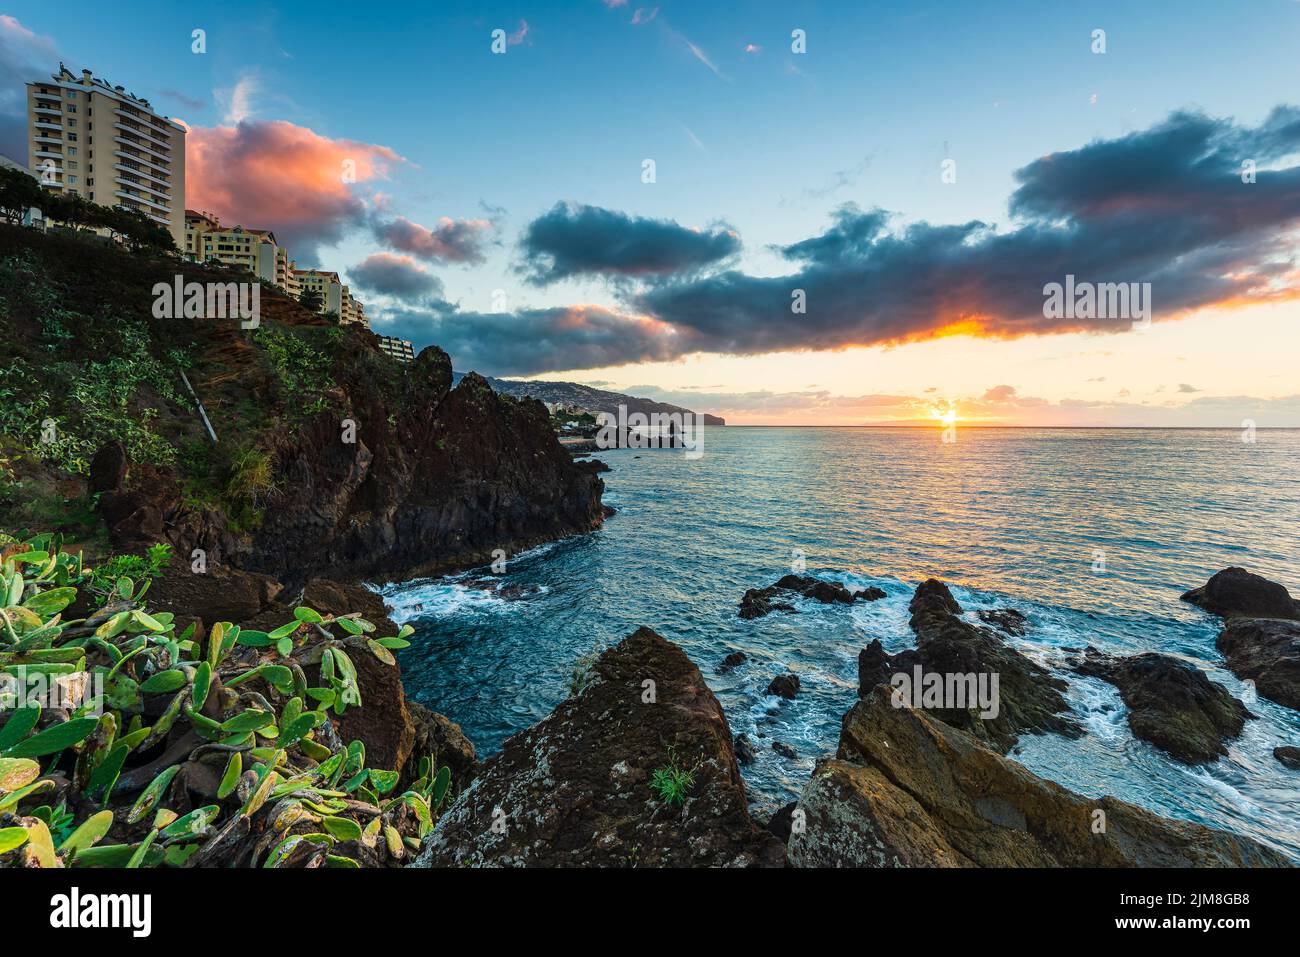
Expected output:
(596, 400)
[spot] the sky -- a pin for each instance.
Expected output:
(783, 213)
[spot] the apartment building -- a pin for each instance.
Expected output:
(399, 349)
(141, 153)
(255, 250)
(334, 294)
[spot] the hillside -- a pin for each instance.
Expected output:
(596, 400)
(331, 459)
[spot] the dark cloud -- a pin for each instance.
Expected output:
(1165, 206)
(187, 101)
(24, 56)
(451, 240)
(533, 340)
(392, 275)
(576, 240)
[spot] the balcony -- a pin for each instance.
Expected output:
(131, 170)
(126, 194)
(50, 154)
(139, 144)
(58, 140)
(131, 154)
(48, 96)
(46, 125)
(47, 111)
(130, 184)
(144, 131)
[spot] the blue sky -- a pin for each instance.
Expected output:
(765, 143)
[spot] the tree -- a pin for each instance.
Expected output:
(19, 192)
(311, 300)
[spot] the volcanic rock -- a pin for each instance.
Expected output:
(574, 790)
(1171, 704)
(785, 686)
(1290, 757)
(1006, 620)
(758, 602)
(906, 790)
(1028, 696)
(1237, 593)
(1267, 652)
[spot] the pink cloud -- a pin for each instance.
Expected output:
(287, 178)
(451, 240)
(644, 15)
(519, 36)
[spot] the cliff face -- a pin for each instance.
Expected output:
(438, 478)
(332, 459)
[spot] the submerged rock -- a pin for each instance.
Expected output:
(958, 655)
(574, 790)
(733, 660)
(784, 686)
(1006, 620)
(1290, 757)
(1171, 704)
(785, 750)
(758, 602)
(1237, 593)
(906, 790)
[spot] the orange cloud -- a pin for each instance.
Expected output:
(287, 178)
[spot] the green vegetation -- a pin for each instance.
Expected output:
(20, 192)
(310, 299)
(673, 783)
(302, 368)
(580, 674)
(83, 362)
(166, 749)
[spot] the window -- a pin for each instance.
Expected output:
(72, 151)
(72, 107)
(72, 181)
(72, 137)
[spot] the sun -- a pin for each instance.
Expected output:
(947, 418)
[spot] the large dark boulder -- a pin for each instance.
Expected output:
(906, 790)
(1267, 652)
(1028, 696)
(1237, 593)
(574, 790)
(1173, 705)
(218, 593)
(784, 686)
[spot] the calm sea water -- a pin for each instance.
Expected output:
(1093, 534)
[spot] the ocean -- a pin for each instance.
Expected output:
(1091, 533)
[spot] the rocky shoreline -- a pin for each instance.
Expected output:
(908, 786)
